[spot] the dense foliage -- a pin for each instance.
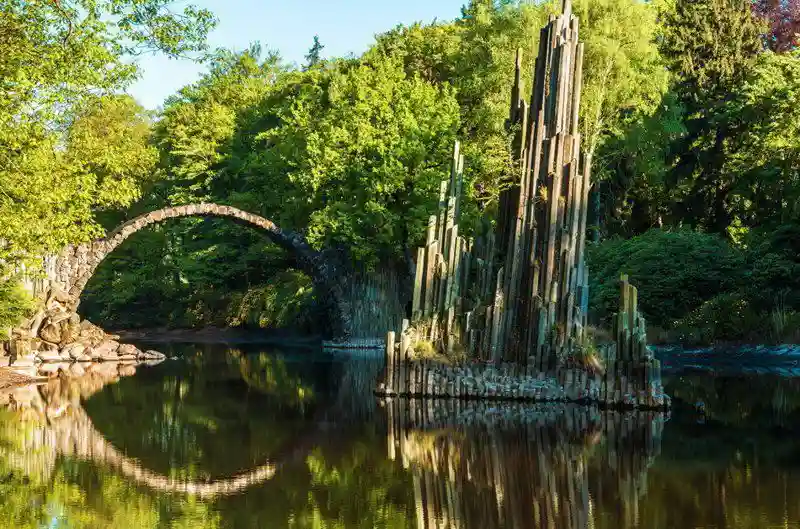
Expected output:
(351, 152)
(69, 146)
(690, 109)
(676, 271)
(783, 17)
(719, 155)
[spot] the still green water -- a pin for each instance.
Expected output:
(257, 437)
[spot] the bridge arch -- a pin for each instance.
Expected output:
(77, 264)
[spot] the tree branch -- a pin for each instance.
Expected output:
(65, 16)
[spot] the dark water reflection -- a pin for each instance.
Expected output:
(255, 437)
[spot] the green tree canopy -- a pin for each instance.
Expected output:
(351, 155)
(68, 146)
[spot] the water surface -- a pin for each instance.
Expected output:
(256, 436)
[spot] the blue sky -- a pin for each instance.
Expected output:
(288, 26)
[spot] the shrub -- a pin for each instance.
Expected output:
(424, 350)
(773, 268)
(286, 301)
(728, 317)
(675, 272)
(15, 305)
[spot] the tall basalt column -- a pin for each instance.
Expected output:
(540, 216)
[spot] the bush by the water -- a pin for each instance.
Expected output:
(15, 304)
(697, 288)
(287, 301)
(675, 272)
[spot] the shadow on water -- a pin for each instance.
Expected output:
(254, 436)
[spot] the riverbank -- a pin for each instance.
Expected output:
(219, 335)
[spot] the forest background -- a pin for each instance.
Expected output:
(691, 110)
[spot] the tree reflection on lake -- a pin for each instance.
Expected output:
(255, 437)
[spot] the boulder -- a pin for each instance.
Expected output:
(74, 350)
(51, 333)
(36, 324)
(128, 350)
(106, 351)
(76, 370)
(59, 295)
(69, 332)
(91, 333)
(49, 356)
(57, 316)
(151, 355)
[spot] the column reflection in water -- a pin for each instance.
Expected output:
(489, 465)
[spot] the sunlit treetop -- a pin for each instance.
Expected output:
(56, 51)
(61, 66)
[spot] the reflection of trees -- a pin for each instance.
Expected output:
(764, 400)
(37, 486)
(732, 477)
(270, 374)
(739, 466)
(199, 432)
(192, 429)
(358, 490)
(206, 421)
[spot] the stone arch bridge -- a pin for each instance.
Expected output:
(74, 267)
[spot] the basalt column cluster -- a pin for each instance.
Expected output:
(529, 273)
(517, 294)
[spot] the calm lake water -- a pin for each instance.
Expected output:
(256, 437)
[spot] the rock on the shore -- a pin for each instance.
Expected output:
(50, 356)
(151, 355)
(90, 332)
(106, 351)
(74, 351)
(51, 333)
(57, 338)
(127, 351)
